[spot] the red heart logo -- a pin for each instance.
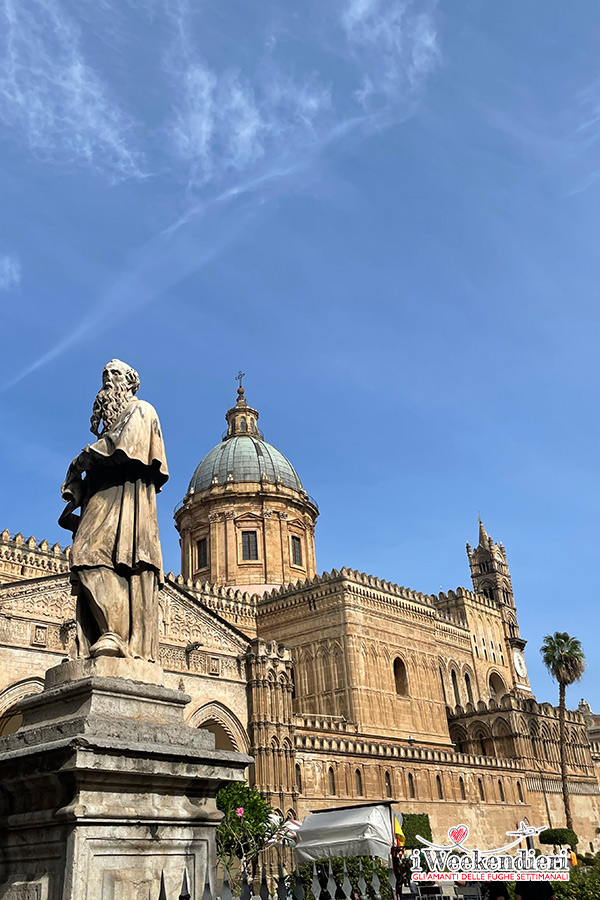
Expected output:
(458, 834)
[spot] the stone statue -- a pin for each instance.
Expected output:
(116, 561)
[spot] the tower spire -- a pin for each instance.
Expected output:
(483, 535)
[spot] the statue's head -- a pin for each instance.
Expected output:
(120, 382)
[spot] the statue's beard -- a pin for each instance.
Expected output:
(109, 404)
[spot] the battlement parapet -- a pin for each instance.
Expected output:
(24, 558)
(213, 594)
(329, 582)
(325, 741)
(518, 704)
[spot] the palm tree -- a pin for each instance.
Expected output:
(564, 658)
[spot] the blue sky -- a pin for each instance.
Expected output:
(385, 212)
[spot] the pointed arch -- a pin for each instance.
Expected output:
(18, 691)
(496, 686)
(504, 744)
(331, 781)
(400, 677)
(358, 782)
(10, 718)
(455, 690)
(216, 713)
(458, 736)
(387, 784)
(469, 688)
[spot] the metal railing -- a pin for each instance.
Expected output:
(324, 885)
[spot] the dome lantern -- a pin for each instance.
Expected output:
(241, 418)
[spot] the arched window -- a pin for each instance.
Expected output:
(388, 785)
(461, 783)
(331, 781)
(457, 739)
(481, 742)
(233, 426)
(468, 688)
(443, 686)
(400, 679)
(501, 790)
(251, 424)
(480, 786)
(440, 792)
(358, 780)
(243, 424)
(497, 687)
(411, 786)
(298, 779)
(455, 688)
(519, 792)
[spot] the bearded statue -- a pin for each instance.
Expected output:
(116, 561)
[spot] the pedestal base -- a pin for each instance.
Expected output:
(105, 786)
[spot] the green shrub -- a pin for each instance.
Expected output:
(558, 837)
(581, 885)
(241, 832)
(414, 824)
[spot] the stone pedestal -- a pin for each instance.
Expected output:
(105, 786)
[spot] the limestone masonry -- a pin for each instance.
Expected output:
(342, 686)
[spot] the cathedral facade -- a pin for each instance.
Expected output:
(343, 687)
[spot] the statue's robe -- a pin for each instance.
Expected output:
(128, 466)
(116, 559)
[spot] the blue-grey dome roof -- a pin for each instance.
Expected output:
(244, 458)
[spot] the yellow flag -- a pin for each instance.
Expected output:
(399, 838)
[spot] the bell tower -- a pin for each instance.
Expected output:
(491, 577)
(489, 569)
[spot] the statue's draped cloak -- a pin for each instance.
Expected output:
(119, 526)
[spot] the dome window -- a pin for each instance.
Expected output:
(243, 424)
(249, 545)
(202, 550)
(296, 551)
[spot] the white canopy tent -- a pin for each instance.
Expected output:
(363, 830)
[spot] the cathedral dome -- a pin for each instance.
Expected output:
(246, 521)
(244, 458)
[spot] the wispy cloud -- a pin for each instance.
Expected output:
(233, 135)
(238, 125)
(226, 123)
(51, 97)
(394, 45)
(10, 272)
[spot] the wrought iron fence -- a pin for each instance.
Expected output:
(323, 886)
